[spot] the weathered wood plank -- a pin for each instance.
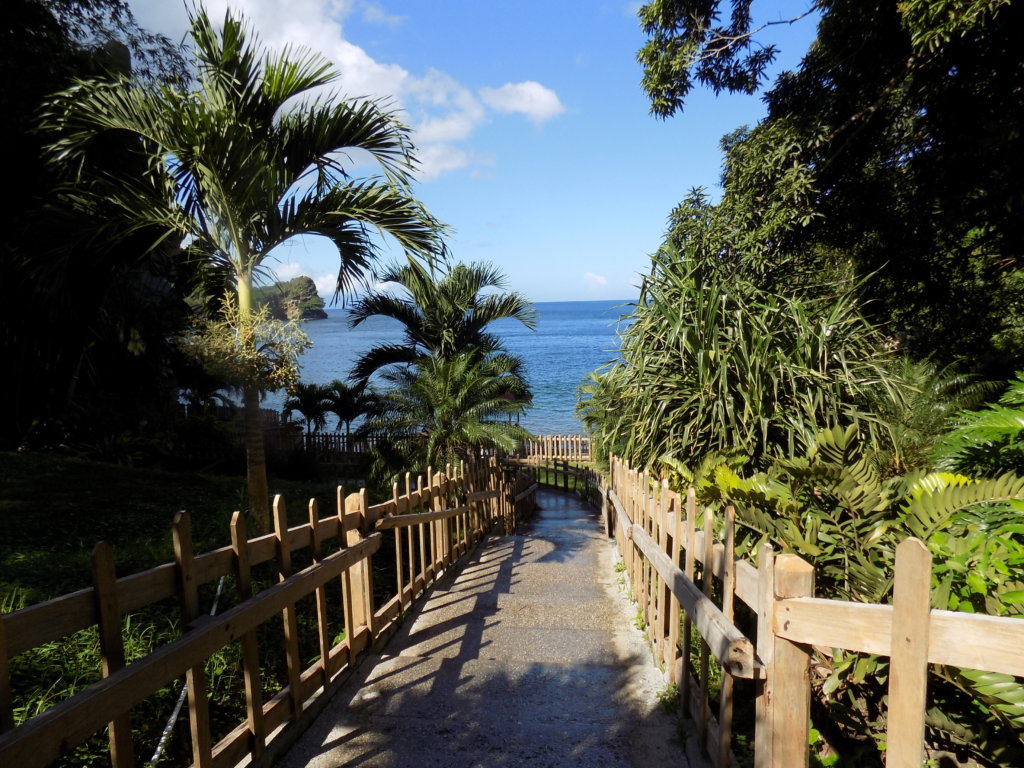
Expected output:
(908, 668)
(732, 649)
(293, 662)
(45, 737)
(765, 645)
(405, 520)
(251, 674)
(957, 639)
(195, 676)
(728, 586)
(104, 580)
(791, 662)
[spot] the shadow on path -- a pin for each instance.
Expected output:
(525, 656)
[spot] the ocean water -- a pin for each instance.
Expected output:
(572, 338)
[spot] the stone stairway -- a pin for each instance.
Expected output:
(525, 656)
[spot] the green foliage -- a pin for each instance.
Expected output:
(84, 320)
(312, 401)
(914, 423)
(833, 508)
(295, 299)
(247, 350)
(348, 402)
(236, 167)
(687, 46)
(441, 411)
(714, 362)
(988, 441)
(443, 313)
(451, 388)
(892, 152)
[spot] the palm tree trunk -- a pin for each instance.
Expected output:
(256, 462)
(255, 453)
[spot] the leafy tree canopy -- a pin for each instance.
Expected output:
(893, 150)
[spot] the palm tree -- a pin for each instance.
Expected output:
(443, 314)
(312, 401)
(238, 166)
(348, 402)
(441, 411)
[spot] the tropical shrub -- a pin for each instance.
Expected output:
(444, 313)
(348, 402)
(441, 411)
(451, 388)
(988, 441)
(832, 507)
(713, 361)
(915, 423)
(312, 401)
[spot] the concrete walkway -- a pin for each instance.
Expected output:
(525, 657)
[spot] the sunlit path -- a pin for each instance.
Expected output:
(523, 657)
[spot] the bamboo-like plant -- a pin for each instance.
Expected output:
(714, 362)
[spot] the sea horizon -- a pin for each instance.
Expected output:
(572, 339)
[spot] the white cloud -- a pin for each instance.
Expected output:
(288, 271)
(594, 280)
(374, 14)
(438, 90)
(439, 159)
(443, 113)
(529, 98)
(325, 284)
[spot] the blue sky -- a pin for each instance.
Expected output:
(537, 147)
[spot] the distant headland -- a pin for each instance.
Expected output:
(294, 299)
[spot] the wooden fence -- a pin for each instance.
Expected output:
(327, 446)
(659, 542)
(434, 521)
(562, 447)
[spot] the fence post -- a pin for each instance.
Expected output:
(250, 649)
(321, 597)
(346, 577)
(790, 672)
(676, 534)
(361, 579)
(6, 703)
(728, 591)
(293, 662)
(104, 581)
(706, 578)
(195, 677)
(765, 601)
(685, 675)
(908, 666)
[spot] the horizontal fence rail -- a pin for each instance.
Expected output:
(564, 447)
(681, 578)
(435, 521)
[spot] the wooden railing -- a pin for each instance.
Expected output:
(327, 446)
(436, 520)
(563, 447)
(661, 547)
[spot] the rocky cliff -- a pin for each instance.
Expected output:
(294, 299)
